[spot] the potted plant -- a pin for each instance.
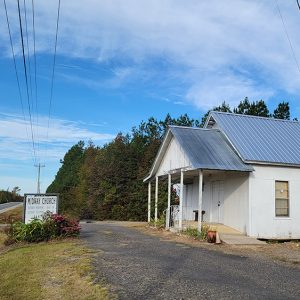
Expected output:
(211, 235)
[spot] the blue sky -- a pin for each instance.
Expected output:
(120, 62)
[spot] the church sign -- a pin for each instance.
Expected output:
(35, 205)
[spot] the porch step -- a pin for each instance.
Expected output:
(239, 239)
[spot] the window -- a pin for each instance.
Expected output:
(281, 198)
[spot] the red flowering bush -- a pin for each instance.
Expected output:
(65, 226)
(50, 227)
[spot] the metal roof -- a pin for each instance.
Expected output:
(208, 149)
(259, 139)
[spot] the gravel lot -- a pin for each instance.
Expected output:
(142, 266)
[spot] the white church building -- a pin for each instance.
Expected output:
(248, 169)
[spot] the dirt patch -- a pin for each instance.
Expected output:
(15, 214)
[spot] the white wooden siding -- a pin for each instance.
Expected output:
(264, 223)
(174, 158)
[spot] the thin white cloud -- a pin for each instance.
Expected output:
(229, 88)
(16, 142)
(205, 39)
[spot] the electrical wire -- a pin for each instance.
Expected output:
(28, 50)
(298, 4)
(35, 78)
(287, 35)
(16, 71)
(53, 71)
(14, 57)
(30, 80)
(26, 79)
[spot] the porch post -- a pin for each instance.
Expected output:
(149, 201)
(169, 202)
(156, 198)
(200, 200)
(181, 200)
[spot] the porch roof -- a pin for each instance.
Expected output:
(207, 149)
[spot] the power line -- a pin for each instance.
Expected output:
(16, 70)
(298, 4)
(28, 50)
(29, 71)
(14, 58)
(287, 35)
(35, 80)
(53, 69)
(26, 78)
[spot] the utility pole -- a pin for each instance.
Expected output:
(39, 166)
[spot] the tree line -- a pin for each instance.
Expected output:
(10, 196)
(107, 182)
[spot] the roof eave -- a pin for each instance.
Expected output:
(272, 163)
(146, 179)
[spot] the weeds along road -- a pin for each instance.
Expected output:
(140, 266)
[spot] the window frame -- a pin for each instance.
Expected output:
(288, 199)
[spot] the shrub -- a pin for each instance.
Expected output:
(193, 232)
(64, 226)
(51, 226)
(161, 222)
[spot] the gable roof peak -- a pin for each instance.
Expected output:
(252, 116)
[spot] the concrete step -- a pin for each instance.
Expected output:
(239, 239)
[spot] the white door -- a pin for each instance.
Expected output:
(217, 203)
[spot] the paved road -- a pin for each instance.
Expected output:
(9, 205)
(139, 266)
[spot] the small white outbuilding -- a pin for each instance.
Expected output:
(248, 169)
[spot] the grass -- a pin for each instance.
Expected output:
(194, 233)
(160, 224)
(53, 270)
(13, 214)
(2, 239)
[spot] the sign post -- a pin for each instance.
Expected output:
(35, 205)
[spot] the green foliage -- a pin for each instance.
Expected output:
(67, 177)
(31, 232)
(282, 111)
(193, 232)
(258, 108)
(107, 182)
(50, 227)
(10, 196)
(160, 223)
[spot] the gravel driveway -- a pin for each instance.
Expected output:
(140, 266)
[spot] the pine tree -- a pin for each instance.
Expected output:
(243, 107)
(282, 111)
(67, 178)
(258, 108)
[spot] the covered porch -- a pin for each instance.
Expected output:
(222, 198)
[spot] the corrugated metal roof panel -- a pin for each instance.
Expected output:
(261, 139)
(208, 149)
